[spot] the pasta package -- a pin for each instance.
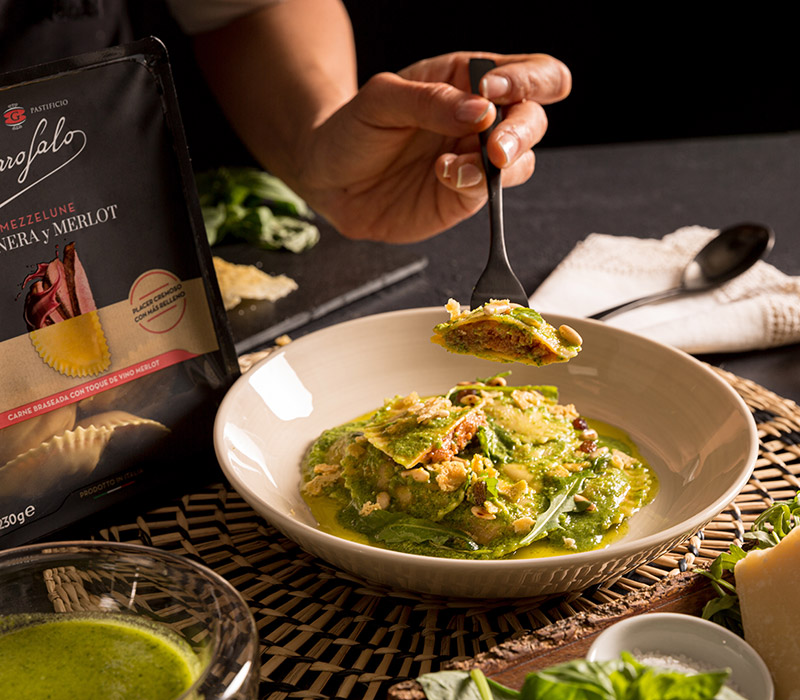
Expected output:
(115, 350)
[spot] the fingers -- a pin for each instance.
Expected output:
(464, 173)
(522, 128)
(536, 77)
(388, 100)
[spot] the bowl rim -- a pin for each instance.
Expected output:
(621, 548)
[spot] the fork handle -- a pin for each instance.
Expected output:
(478, 67)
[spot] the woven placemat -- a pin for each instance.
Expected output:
(328, 634)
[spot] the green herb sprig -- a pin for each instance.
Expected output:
(767, 530)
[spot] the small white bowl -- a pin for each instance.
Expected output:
(690, 639)
(694, 429)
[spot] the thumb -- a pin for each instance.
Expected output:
(390, 101)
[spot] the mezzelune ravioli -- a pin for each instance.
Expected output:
(506, 332)
(480, 472)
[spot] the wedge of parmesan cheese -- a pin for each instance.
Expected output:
(238, 282)
(769, 596)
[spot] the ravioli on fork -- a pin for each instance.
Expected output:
(506, 332)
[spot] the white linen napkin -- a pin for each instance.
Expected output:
(757, 310)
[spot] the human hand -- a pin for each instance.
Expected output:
(401, 162)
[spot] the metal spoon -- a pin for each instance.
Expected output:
(497, 281)
(727, 255)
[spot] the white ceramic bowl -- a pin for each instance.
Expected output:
(692, 641)
(694, 429)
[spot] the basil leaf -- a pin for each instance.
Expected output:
(460, 685)
(214, 220)
(617, 679)
(492, 446)
(253, 206)
(449, 685)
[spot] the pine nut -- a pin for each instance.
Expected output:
(570, 335)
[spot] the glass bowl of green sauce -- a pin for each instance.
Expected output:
(107, 620)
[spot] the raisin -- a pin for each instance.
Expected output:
(479, 493)
(580, 424)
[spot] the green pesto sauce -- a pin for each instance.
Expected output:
(92, 658)
(589, 532)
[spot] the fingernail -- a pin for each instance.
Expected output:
(468, 176)
(509, 145)
(494, 86)
(446, 172)
(472, 110)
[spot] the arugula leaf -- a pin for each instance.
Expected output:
(562, 502)
(397, 528)
(767, 530)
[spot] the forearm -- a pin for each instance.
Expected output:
(278, 73)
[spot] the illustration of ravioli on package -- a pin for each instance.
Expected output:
(114, 347)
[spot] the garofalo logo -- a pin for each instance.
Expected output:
(51, 147)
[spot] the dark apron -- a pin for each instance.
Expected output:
(39, 31)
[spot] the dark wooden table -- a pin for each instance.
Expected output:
(645, 189)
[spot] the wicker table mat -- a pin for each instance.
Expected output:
(328, 634)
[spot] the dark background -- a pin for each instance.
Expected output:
(640, 71)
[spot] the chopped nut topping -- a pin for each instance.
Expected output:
(620, 459)
(570, 335)
(491, 507)
(451, 474)
(368, 508)
(513, 492)
(567, 411)
(575, 466)
(434, 407)
(417, 474)
(325, 475)
(453, 308)
(482, 513)
(522, 525)
(496, 306)
(525, 399)
(480, 464)
(355, 450)
(570, 543)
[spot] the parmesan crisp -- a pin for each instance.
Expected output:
(238, 282)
